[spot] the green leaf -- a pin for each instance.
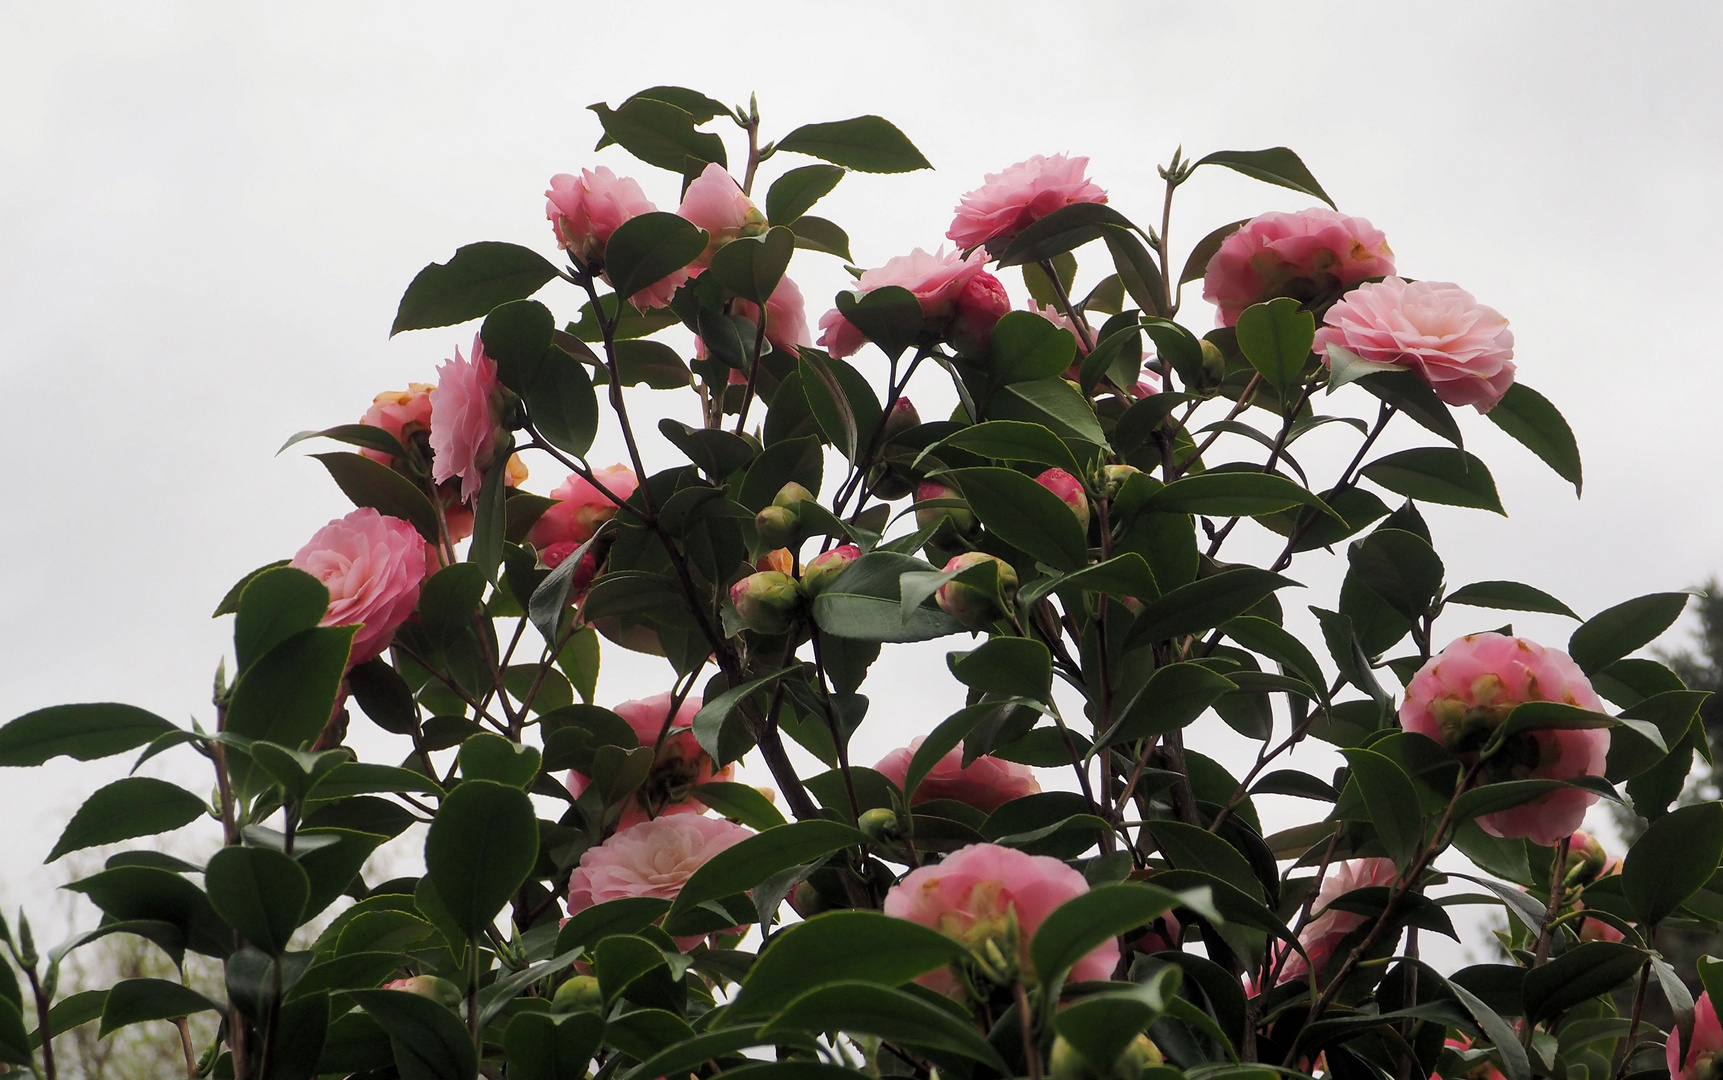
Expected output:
(624, 916)
(1141, 279)
(1529, 417)
(541, 1047)
(1583, 972)
(946, 736)
(1614, 632)
(717, 453)
(682, 1058)
(1013, 440)
(659, 133)
(478, 278)
(865, 602)
(1502, 1035)
(1392, 803)
(275, 605)
(287, 697)
(1400, 567)
(746, 864)
(15, 1045)
(479, 850)
(827, 401)
(362, 778)
(898, 1017)
(1018, 667)
(134, 806)
(1205, 604)
(794, 193)
(1438, 474)
(1412, 395)
(1025, 347)
(864, 143)
(752, 266)
(724, 738)
(490, 521)
(516, 336)
(368, 483)
(740, 803)
(1276, 165)
(1052, 403)
(429, 1042)
(1196, 264)
(1188, 847)
(133, 1001)
(1672, 860)
(83, 732)
(818, 234)
(230, 602)
(1174, 696)
(1508, 596)
(561, 402)
(648, 248)
(1271, 640)
(889, 316)
(260, 893)
(1063, 230)
(1091, 918)
(146, 894)
(823, 950)
(1233, 494)
(1025, 515)
(492, 757)
(1276, 338)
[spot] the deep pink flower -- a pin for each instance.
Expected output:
(987, 783)
(1009, 202)
(372, 566)
(936, 279)
(1463, 349)
(1468, 690)
(984, 893)
(466, 409)
(1308, 255)
(1070, 492)
(650, 858)
(584, 210)
(1320, 936)
(402, 413)
(715, 203)
(1702, 1048)
(680, 765)
(581, 508)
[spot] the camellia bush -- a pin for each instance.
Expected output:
(1047, 882)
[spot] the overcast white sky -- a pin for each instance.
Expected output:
(212, 210)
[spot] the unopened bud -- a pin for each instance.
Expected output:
(824, 568)
(439, 990)
(579, 992)
(958, 518)
(1069, 1064)
(775, 526)
(1070, 492)
(791, 496)
(766, 601)
(1214, 364)
(980, 306)
(974, 606)
(901, 419)
(881, 824)
(1586, 860)
(807, 901)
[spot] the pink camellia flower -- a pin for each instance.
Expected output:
(1060, 319)
(786, 322)
(1162, 935)
(1009, 202)
(1702, 1047)
(650, 858)
(466, 410)
(980, 306)
(987, 783)
(372, 566)
(679, 766)
(581, 508)
(584, 210)
(985, 894)
(1322, 933)
(1070, 492)
(715, 203)
(1311, 255)
(402, 413)
(1462, 695)
(937, 280)
(1482, 1071)
(1463, 349)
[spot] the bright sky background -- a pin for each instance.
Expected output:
(212, 210)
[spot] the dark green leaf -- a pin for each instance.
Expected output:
(1276, 338)
(147, 894)
(648, 248)
(1276, 165)
(1188, 847)
(490, 520)
(625, 916)
(889, 316)
(659, 133)
(492, 757)
(1583, 972)
(260, 893)
(823, 950)
(828, 403)
(84, 732)
(864, 143)
(744, 865)
(1672, 860)
(561, 402)
(1174, 696)
(133, 1001)
(1529, 417)
(230, 602)
(1508, 596)
(650, 363)
(1437, 474)
(384, 490)
(1025, 347)
(893, 1015)
(1012, 440)
(719, 729)
(865, 602)
(1392, 803)
(752, 266)
(1019, 667)
(1400, 567)
(1091, 918)
(1411, 394)
(360, 778)
(134, 806)
(516, 337)
(287, 697)
(1025, 515)
(479, 850)
(1196, 264)
(429, 1041)
(795, 192)
(1205, 603)
(1052, 403)
(478, 278)
(541, 1047)
(818, 234)
(1062, 230)
(620, 961)
(1614, 632)
(1233, 494)
(739, 803)
(275, 605)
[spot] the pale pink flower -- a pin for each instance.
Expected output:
(1702, 1047)
(402, 413)
(372, 566)
(984, 893)
(681, 763)
(987, 783)
(650, 858)
(716, 204)
(466, 410)
(1324, 932)
(1009, 202)
(1463, 349)
(581, 508)
(1061, 320)
(1309, 256)
(584, 210)
(1463, 694)
(936, 279)
(786, 322)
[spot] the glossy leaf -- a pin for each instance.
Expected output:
(1013, 440)
(479, 850)
(1276, 338)
(133, 806)
(1672, 860)
(1090, 919)
(384, 490)
(822, 950)
(865, 602)
(1062, 230)
(659, 133)
(1614, 632)
(648, 248)
(429, 1042)
(1025, 347)
(1411, 394)
(1205, 603)
(478, 278)
(869, 1009)
(1277, 165)
(1392, 802)
(275, 605)
(752, 266)
(746, 864)
(1174, 696)
(864, 143)
(794, 193)
(541, 1047)
(1508, 596)
(1233, 494)
(1437, 474)
(1025, 515)
(1583, 972)
(1529, 417)
(1400, 567)
(889, 316)
(259, 892)
(133, 1001)
(82, 732)
(1019, 667)
(1052, 403)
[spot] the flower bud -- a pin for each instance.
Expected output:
(439, 990)
(807, 901)
(1070, 492)
(775, 527)
(1068, 1064)
(824, 568)
(1214, 364)
(778, 559)
(881, 824)
(791, 497)
(958, 519)
(970, 605)
(902, 418)
(980, 305)
(1113, 478)
(766, 601)
(1586, 860)
(579, 992)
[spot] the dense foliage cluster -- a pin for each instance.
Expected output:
(1046, 882)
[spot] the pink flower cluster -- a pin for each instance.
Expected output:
(579, 509)
(650, 858)
(1330, 925)
(1308, 255)
(1010, 201)
(949, 286)
(466, 415)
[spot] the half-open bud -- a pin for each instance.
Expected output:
(766, 601)
(1070, 492)
(824, 568)
(902, 418)
(977, 606)
(980, 305)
